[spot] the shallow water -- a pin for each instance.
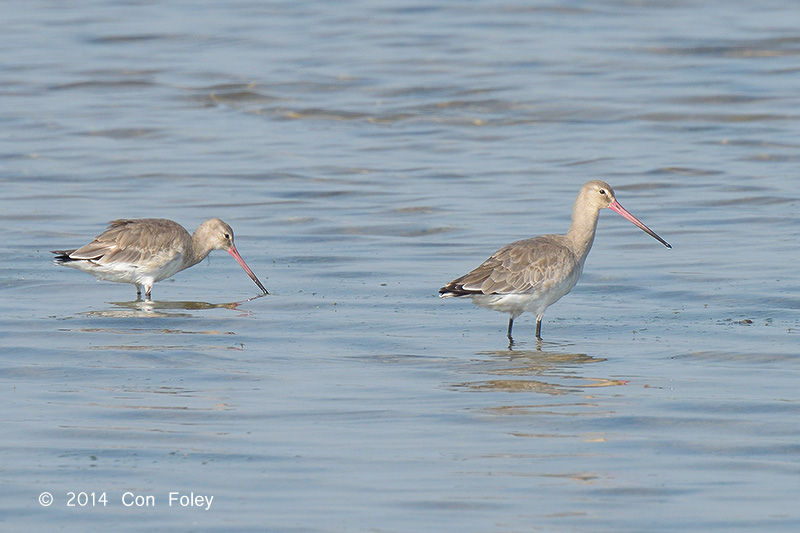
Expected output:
(366, 154)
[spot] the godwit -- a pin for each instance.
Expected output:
(532, 274)
(146, 250)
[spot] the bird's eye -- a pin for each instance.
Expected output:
(602, 191)
(227, 236)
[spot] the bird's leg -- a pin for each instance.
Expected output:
(147, 290)
(508, 334)
(138, 292)
(539, 327)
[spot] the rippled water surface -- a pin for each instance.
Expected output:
(366, 153)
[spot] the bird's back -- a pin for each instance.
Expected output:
(136, 241)
(138, 251)
(520, 267)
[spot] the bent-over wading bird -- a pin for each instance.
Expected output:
(532, 274)
(146, 250)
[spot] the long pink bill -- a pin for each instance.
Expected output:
(614, 206)
(235, 253)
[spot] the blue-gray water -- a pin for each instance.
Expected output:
(366, 153)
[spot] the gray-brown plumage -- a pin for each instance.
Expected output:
(532, 274)
(146, 250)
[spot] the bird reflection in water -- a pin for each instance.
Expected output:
(153, 308)
(538, 371)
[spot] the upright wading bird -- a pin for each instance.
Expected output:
(532, 274)
(146, 250)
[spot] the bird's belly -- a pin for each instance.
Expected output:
(109, 272)
(146, 274)
(165, 269)
(534, 301)
(514, 304)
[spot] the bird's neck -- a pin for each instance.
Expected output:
(195, 253)
(581, 232)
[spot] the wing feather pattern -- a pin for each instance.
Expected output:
(519, 267)
(133, 242)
